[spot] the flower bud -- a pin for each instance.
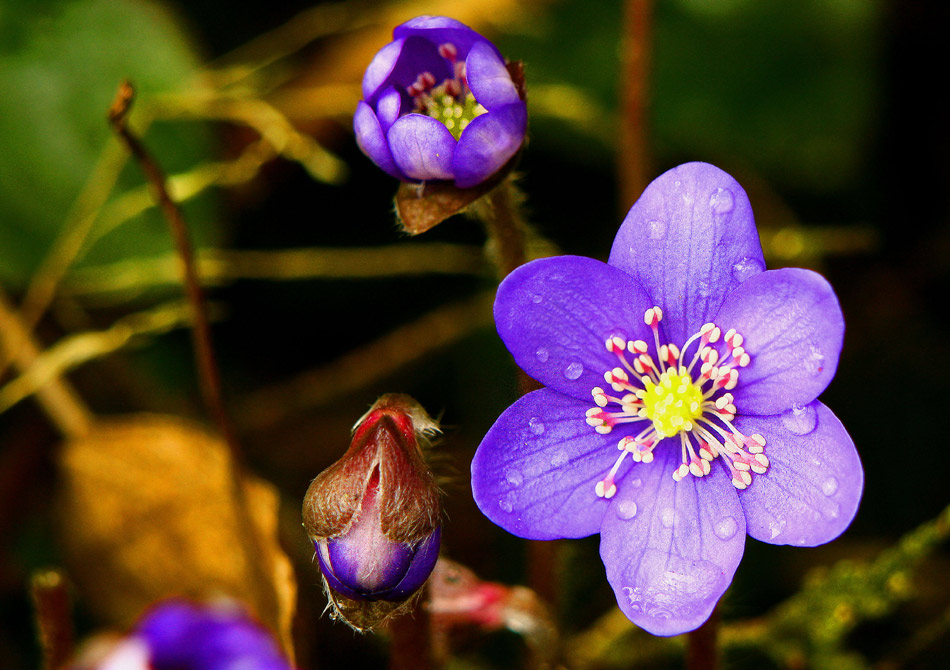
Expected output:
(374, 515)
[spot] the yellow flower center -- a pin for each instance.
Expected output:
(673, 404)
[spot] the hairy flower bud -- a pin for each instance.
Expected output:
(374, 515)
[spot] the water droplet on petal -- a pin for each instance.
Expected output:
(505, 505)
(726, 528)
(677, 183)
(626, 509)
(536, 426)
(657, 229)
(800, 420)
(830, 486)
(667, 516)
(574, 370)
(542, 354)
(722, 201)
(636, 483)
(833, 511)
(536, 299)
(745, 268)
(514, 477)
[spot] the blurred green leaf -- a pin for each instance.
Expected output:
(60, 65)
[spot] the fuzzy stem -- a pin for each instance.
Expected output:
(504, 225)
(52, 612)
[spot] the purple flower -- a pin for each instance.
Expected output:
(179, 635)
(680, 411)
(439, 104)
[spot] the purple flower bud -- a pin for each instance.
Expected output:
(439, 103)
(374, 515)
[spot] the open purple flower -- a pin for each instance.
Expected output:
(439, 104)
(179, 635)
(680, 411)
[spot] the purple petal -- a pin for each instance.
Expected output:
(399, 63)
(671, 548)
(534, 473)
(555, 315)
(211, 637)
(372, 141)
(388, 108)
(690, 239)
(810, 492)
(442, 30)
(488, 142)
(793, 330)
(422, 147)
(489, 79)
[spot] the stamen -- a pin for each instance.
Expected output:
(697, 407)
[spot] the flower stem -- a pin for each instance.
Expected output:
(209, 376)
(411, 646)
(52, 611)
(505, 226)
(701, 651)
(633, 157)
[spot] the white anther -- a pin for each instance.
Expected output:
(602, 492)
(619, 343)
(653, 316)
(603, 430)
(741, 465)
(737, 339)
(696, 469)
(637, 346)
(729, 334)
(705, 454)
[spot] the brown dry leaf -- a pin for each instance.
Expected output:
(148, 510)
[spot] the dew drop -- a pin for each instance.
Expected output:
(559, 459)
(626, 509)
(677, 183)
(636, 483)
(657, 229)
(536, 425)
(667, 516)
(505, 505)
(514, 478)
(745, 268)
(722, 201)
(830, 486)
(542, 354)
(800, 420)
(833, 511)
(536, 299)
(574, 370)
(726, 528)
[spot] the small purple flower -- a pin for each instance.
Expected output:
(681, 405)
(439, 104)
(179, 635)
